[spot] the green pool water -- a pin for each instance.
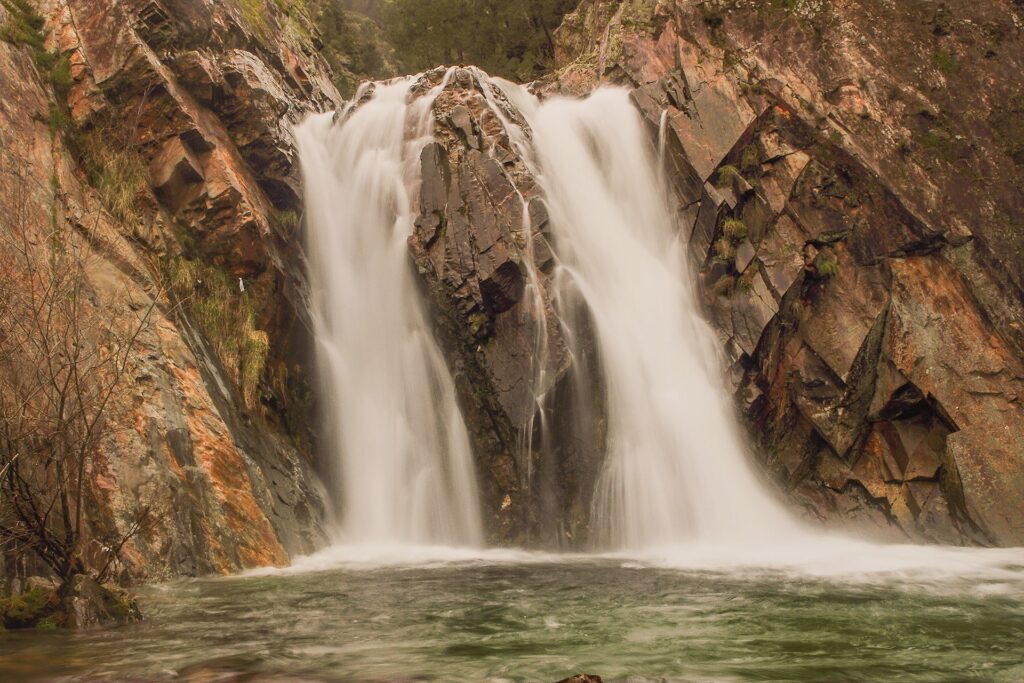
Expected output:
(546, 618)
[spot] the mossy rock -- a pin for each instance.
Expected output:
(30, 609)
(89, 604)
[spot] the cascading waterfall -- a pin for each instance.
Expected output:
(676, 470)
(404, 470)
(676, 484)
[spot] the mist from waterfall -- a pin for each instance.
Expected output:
(676, 469)
(402, 466)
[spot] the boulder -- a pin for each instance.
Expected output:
(89, 605)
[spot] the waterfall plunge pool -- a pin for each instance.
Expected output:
(521, 617)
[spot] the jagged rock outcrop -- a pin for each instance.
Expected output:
(480, 246)
(174, 159)
(855, 218)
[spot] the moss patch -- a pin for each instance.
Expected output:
(36, 607)
(227, 317)
(735, 230)
(825, 265)
(946, 62)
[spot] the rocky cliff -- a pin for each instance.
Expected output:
(848, 174)
(855, 220)
(849, 177)
(165, 146)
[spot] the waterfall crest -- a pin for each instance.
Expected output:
(676, 469)
(402, 469)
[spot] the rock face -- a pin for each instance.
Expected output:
(480, 247)
(89, 605)
(855, 219)
(174, 161)
(867, 297)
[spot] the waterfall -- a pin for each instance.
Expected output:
(676, 469)
(403, 469)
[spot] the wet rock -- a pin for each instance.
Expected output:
(434, 188)
(89, 605)
(480, 233)
(744, 255)
(887, 384)
(185, 92)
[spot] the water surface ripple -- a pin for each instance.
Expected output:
(542, 618)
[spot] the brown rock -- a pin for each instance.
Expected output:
(888, 382)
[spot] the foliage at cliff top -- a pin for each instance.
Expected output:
(510, 38)
(354, 44)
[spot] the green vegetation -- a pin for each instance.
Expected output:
(735, 230)
(745, 283)
(49, 623)
(34, 607)
(227, 318)
(733, 233)
(750, 162)
(725, 251)
(286, 221)
(727, 175)
(114, 168)
(947, 63)
(509, 38)
(58, 119)
(751, 88)
(256, 14)
(24, 26)
(255, 349)
(353, 44)
(715, 12)
(825, 265)
(724, 286)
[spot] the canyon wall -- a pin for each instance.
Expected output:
(849, 176)
(165, 151)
